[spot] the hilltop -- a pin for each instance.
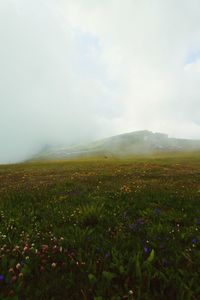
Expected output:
(135, 143)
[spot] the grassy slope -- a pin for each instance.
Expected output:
(101, 229)
(137, 142)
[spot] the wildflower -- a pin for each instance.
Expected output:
(198, 221)
(125, 189)
(18, 266)
(21, 275)
(146, 249)
(194, 241)
(136, 225)
(53, 265)
(11, 270)
(130, 292)
(157, 211)
(14, 278)
(45, 248)
(107, 255)
(25, 248)
(139, 221)
(1, 278)
(165, 263)
(41, 269)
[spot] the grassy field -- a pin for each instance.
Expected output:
(101, 229)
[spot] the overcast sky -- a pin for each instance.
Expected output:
(78, 70)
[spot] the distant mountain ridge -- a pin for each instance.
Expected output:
(133, 143)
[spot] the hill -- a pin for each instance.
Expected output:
(134, 143)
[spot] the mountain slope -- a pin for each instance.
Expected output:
(138, 142)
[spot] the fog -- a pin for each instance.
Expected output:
(78, 70)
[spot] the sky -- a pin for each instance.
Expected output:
(73, 71)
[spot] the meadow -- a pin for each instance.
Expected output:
(101, 229)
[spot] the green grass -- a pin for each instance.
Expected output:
(101, 229)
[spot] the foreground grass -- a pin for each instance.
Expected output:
(101, 229)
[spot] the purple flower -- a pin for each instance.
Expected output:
(146, 249)
(165, 263)
(157, 210)
(198, 221)
(107, 255)
(1, 278)
(194, 241)
(139, 221)
(136, 226)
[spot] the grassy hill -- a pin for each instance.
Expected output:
(134, 143)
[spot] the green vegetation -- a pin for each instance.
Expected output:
(134, 143)
(101, 229)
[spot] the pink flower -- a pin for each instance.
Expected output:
(45, 248)
(14, 278)
(26, 248)
(41, 269)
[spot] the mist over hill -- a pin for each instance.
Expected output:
(135, 143)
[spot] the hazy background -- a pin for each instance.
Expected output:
(76, 70)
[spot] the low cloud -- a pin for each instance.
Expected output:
(73, 71)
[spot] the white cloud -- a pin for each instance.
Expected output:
(82, 69)
(145, 46)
